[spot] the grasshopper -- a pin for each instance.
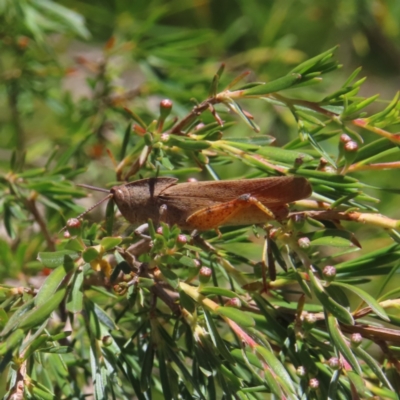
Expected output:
(209, 204)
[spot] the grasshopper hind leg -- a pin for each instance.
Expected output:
(229, 213)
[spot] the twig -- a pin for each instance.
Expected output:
(341, 214)
(196, 111)
(31, 205)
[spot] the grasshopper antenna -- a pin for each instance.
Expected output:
(93, 188)
(110, 195)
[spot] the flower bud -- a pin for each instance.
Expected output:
(351, 146)
(181, 239)
(164, 137)
(107, 340)
(313, 384)
(301, 371)
(344, 138)
(356, 339)
(329, 273)
(205, 274)
(165, 110)
(73, 227)
(234, 302)
(304, 242)
(73, 223)
(309, 321)
(197, 262)
(334, 363)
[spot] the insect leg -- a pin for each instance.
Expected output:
(220, 214)
(140, 231)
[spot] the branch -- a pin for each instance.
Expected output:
(31, 206)
(354, 216)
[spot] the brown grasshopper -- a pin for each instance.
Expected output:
(207, 205)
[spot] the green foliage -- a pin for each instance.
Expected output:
(293, 308)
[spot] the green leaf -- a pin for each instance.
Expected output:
(314, 62)
(250, 142)
(280, 372)
(217, 291)
(75, 245)
(56, 258)
(16, 317)
(12, 342)
(110, 242)
(289, 157)
(240, 317)
(40, 313)
(90, 254)
(331, 237)
(341, 344)
(373, 364)
(75, 299)
(375, 306)
(273, 86)
(50, 285)
(331, 305)
(188, 144)
(57, 14)
(187, 262)
(147, 368)
(358, 383)
(31, 173)
(109, 224)
(216, 337)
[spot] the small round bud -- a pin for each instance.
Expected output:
(205, 271)
(323, 162)
(329, 273)
(199, 126)
(159, 230)
(67, 235)
(351, 146)
(234, 302)
(334, 363)
(309, 321)
(107, 340)
(73, 227)
(304, 242)
(301, 371)
(192, 180)
(313, 383)
(197, 262)
(166, 104)
(345, 138)
(298, 161)
(165, 109)
(164, 137)
(181, 239)
(356, 339)
(205, 274)
(73, 223)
